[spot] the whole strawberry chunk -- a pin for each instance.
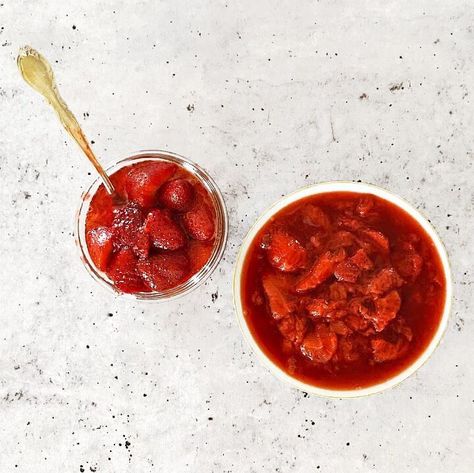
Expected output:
(285, 252)
(144, 180)
(100, 242)
(164, 232)
(177, 195)
(164, 271)
(199, 253)
(141, 248)
(199, 222)
(123, 272)
(127, 224)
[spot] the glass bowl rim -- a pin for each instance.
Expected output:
(222, 233)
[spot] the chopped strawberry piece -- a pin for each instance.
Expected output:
(257, 298)
(339, 327)
(340, 239)
(164, 232)
(144, 180)
(377, 238)
(177, 195)
(321, 270)
(386, 309)
(343, 206)
(346, 271)
(314, 216)
(408, 263)
(199, 222)
(320, 344)
(123, 272)
(317, 241)
(351, 223)
(127, 224)
(361, 306)
(287, 346)
(293, 328)
(281, 302)
(100, 242)
(352, 346)
(326, 309)
(265, 241)
(286, 253)
(292, 365)
(365, 205)
(387, 351)
(357, 323)
(400, 326)
(164, 271)
(385, 280)
(361, 260)
(346, 350)
(338, 291)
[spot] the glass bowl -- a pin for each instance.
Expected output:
(340, 186)
(219, 242)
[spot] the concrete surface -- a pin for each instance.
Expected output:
(268, 96)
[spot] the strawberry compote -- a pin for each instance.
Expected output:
(343, 290)
(163, 235)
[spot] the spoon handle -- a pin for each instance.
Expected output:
(38, 73)
(72, 126)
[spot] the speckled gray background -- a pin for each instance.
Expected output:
(268, 96)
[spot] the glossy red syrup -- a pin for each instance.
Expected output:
(343, 290)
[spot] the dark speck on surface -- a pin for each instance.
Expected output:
(397, 86)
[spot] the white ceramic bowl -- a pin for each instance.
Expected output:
(338, 186)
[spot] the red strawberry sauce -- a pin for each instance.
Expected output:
(161, 237)
(343, 290)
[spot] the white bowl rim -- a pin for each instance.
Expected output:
(341, 186)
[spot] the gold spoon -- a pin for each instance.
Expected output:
(37, 72)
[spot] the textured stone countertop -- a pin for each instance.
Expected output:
(268, 97)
